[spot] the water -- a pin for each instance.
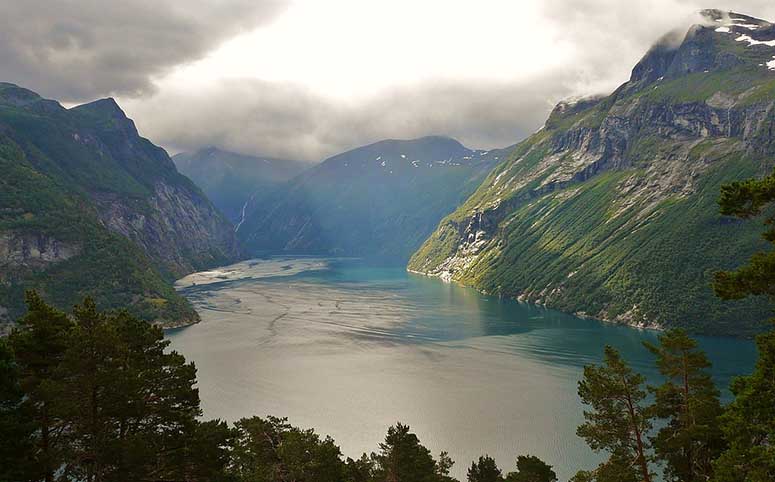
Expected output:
(350, 349)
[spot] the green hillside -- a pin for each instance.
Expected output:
(87, 207)
(380, 200)
(235, 182)
(611, 210)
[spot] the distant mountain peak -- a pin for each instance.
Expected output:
(104, 107)
(718, 41)
(15, 95)
(108, 113)
(715, 16)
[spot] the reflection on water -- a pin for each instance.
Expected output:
(350, 349)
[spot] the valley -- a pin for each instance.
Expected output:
(363, 263)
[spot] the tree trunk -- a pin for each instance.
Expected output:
(45, 433)
(641, 455)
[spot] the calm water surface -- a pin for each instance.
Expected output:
(350, 349)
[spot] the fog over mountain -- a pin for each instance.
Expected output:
(305, 80)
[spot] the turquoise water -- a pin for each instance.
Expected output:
(350, 349)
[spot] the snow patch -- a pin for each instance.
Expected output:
(771, 64)
(723, 29)
(752, 42)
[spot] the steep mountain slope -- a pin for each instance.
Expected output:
(88, 207)
(610, 210)
(380, 200)
(234, 181)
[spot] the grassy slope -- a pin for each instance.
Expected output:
(665, 267)
(41, 197)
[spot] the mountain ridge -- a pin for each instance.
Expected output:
(91, 208)
(389, 194)
(572, 219)
(235, 181)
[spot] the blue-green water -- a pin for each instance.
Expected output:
(350, 349)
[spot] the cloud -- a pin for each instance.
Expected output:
(606, 38)
(81, 49)
(289, 121)
(343, 73)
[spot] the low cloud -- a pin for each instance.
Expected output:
(81, 49)
(287, 121)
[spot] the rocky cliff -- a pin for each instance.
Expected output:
(88, 207)
(609, 211)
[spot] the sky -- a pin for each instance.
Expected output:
(306, 79)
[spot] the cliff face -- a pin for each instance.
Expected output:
(170, 219)
(236, 183)
(609, 211)
(175, 226)
(88, 207)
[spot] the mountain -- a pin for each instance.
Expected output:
(610, 211)
(88, 207)
(380, 200)
(234, 181)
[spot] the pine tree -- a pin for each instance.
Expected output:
(39, 345)
(532, 469)
(689, 401)
(618, 421)
(208, 453)
(484, 470)
(403, 459)
(91, 373)
(153, 403)
(271, 450)
(618, 468)
(749, 422)
(444, 466)
(16, 427)
(130, 405)
(746, 199)
(360, 470)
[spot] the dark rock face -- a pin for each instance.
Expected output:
(21, 252)
(175, 223)
(176, 227)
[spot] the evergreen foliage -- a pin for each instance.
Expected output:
(749, 422)
(97, 396)
(618, 422)
(531, 469)
(484, 470)
(689, 403)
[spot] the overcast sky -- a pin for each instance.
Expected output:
(305, 79)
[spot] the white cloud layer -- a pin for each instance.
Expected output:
(306, 79)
